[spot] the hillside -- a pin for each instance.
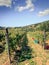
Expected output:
(39, 26)
(33, 27)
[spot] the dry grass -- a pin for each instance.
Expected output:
(42, 57)
(3, 58)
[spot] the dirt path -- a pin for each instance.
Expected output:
(4, 60)
(41, 55)
(7, 62)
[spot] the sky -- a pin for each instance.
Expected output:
(15, 13)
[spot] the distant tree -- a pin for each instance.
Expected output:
(44, 26)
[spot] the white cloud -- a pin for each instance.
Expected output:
(32, 9)
(6, 3)
(43, 13)
(29, 5)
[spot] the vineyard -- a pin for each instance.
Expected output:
(17, 46)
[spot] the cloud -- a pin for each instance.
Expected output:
(43, 13)
(6, 3)
(32, 9)
(29, 5)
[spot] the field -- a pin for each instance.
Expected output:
(40, 56)
(26, 46)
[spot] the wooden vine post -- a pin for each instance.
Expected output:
(7, 43)
(44, 39)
